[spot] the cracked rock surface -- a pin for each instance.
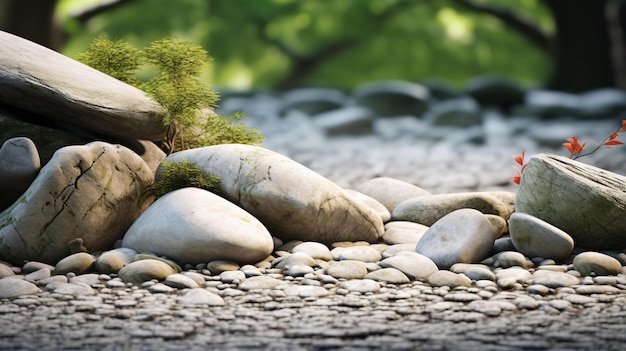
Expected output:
(93, 192)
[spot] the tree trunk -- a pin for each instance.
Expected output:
(32, 20)
(582, 54)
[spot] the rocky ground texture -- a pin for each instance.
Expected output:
(435, 163)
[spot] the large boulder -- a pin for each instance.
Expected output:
(39, 80)
(294, 202)
(195, 226)
(586, 202)
(93, 192)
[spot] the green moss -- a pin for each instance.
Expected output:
(178, 175)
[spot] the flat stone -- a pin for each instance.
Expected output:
(194, 225)
(509, 259)
(143, 270)
(412, 264)
(389, 191)
(78, 263)
(536, 238)
(463, 236)
(40, 80)
(429, 209)
(360, 253)
(388, 275)
(306, 291)
(361, 285)
(180, 281)
(597, 263)
(554, 279)
(11, 288)
(348, 269)
(199, 296)
(589, 203)
(449, 279)
(314, 249)
(298, 258)
(113, 260)
(74, 289)
(259, 282)
(403, 232)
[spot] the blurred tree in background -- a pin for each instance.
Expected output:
(571, 45)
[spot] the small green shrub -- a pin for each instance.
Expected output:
(189, 103)
(178, 175)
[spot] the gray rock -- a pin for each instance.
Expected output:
(597, 263)
(403, 232)
(19, 165)
(477, 273)
(298, 258)
(494, 90)
(11, 288)
(554, 279)
(463, 236)
(449, 279)
(361, 285)
(306, 291)
(6, 271)
(218, 266)
(389, 191)
(92, 192)
(269, 186)
(498, 224)
(38, 275)
(393, 98)
(313, 101)
(113, 260)
(141, 271)
(397, 248)
(536, 238)
(77, 263)
(460, 112)
(414, 265)
(180, 281)
(384, 213)
(232, 277)
(360, 253)
(513, 274)
(348, 269)
(602, 103)
(32, 266)
(314, 250)
(508, 259)
(388, 275)
(589, 203)
(260, 282)
(74, 289)
(350, 121)
(551, 104)
(503, 244)
(429, 209)
(193, 225)
(90, 279)
(299, 270)
(199, 296)
(40, 80)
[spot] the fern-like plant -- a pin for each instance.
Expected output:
(190, 121)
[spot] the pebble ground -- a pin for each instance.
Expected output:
(412, 316)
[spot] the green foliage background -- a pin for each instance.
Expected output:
(426, 39)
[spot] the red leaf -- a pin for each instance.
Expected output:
(519, 160)
(516, 179)
(624, 124)
(612, 143)
(569, 147)
(581, 147)
(613, 136)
